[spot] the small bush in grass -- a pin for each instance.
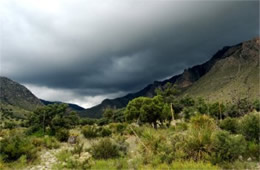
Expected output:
(250, 126)
(15, 146)
(50, 142)
(95, 131)
(118, 127)
(69, 161)
(182, 126)
(227, 147)
(103, 132)
(46, 142)
(78, 148)
(229, 124)
(62, 135)
(253, 150)
(90, 131)
(105, 149)
(38, 142)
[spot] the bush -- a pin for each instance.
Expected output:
(87, 121)
(157, 148)
(38, 142)
(256, 105)
(118, 127)
(15, 146)
(62, 135)
(90, 131)
(253, 150)
(78, 148)
(50, 142)
(227, 147)
(250, 127)
(103, 132)
(105, 149)
(229, 124)
(66, 160)
(95, 131)
(202, 122)
(46, 142)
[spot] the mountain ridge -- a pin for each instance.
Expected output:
(13, 93)
(184, 80)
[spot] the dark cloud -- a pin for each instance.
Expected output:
(96, 48)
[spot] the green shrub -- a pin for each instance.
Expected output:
(46, 142)
(118, 127)
(95, 131)
(78, 148)
(90, 131)
(202, 122)
(197, 144)
(256, 105)
(250, 126)
(15, 146)
(87, 121)
(253, 150)
(38, 142)
(50, 142)
(105, 149)
(189, 112)
(156, 147)
(227, 147)
(69, 161)
(230, 124)
(182, 126)
(103, 132)
(62, 135)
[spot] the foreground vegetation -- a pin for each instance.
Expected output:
(163, 132)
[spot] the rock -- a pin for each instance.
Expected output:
(249, 159)
(240, 157)
(72, 139)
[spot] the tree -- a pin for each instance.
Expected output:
(148, 110)
(169, 92)
(54, 116)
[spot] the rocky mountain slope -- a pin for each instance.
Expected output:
(231, 69)
(15, 94)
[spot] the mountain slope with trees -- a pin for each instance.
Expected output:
(231, 69)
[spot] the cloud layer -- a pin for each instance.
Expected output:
(83, 51)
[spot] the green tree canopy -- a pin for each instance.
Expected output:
(148, 110)
(54, 116)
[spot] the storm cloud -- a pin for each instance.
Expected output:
(83, 51)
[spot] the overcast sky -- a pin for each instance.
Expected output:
(83, 51)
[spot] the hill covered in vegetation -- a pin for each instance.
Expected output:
(15, 94)
(234, 70)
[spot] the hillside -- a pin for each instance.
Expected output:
(235, 75)
(231, 68)
(15, 94)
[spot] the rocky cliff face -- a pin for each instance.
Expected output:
(206, 79)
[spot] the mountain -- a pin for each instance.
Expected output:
(233, 70)
(15, 94)
(71, 106)
(236, 74)
(17, 98)
(20, 100)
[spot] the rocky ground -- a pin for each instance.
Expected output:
(47, 159)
